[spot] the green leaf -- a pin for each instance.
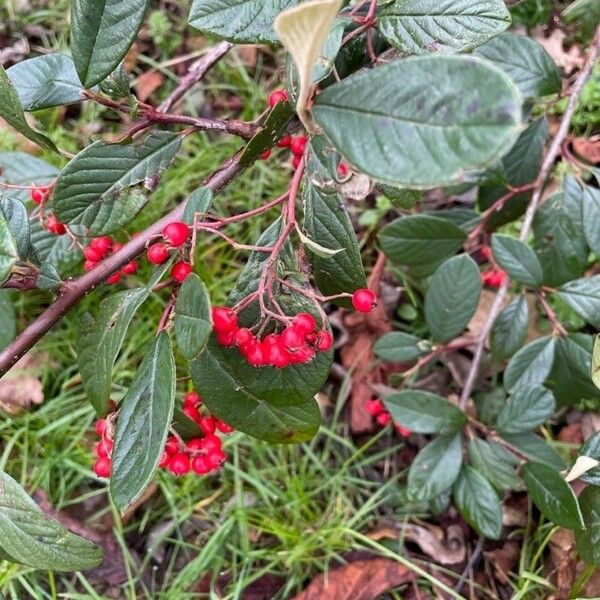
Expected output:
(100, 340)
(8, 250)
(525, 62)
(509, 331)
(89, 189)
(441, 25)
(595, 370)
(452, 297)
(425, 412)
(116, 86)
(17, 219)
(19, 168)
(8, 322)
(435, 468)
(478, 502)
(12, 113)
(531, 364)
(552, 495)
(327, 222)
(46, 81)
(588, 539)
(495, 463)
(583, 296)
(49, 278)
(535, 448)
(528, 406)
(31, 538)
(198, 203)
(101, 35)
(591, 216)
(143, 424)
(399, 347)
(591, 448)
(193, 320)
(57, 250)
(413, 137)
(420, 239)
(276, 405)
(517, 259)
(240, 21)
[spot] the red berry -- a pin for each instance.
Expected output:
(216, 458)
(101, 244)
(224, 319)
(374, 407)
(180, 271)
(164, 461)
(265, 154)
(324, 341)
(113, 279)
(364, 300)
(383, 418)
(224, 427)
(101, 427)
(296, 161)
(192, 399)
(102, 467)
(292, 338)
(179, 464)
(39, 194)
(343, 170)
(210, 443)
(276, 355)
(242, 336)
(53, 225)
(104, 448)
(195, 444)
(93, 254)
(117, 246)
(158, 253)
(254, 355)
(298, 144)
(176, 233)
(285, 141)
(403, 431)
(304, 323)
(486, 252)
(277, 96)
(302, 355)
(208, 425)
(225, 338)
(192, 412)
(130, 268)
(200, 465)
(172, 445)
(88, 265)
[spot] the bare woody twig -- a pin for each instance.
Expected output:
(536, 197)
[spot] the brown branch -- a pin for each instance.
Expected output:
(536, 198)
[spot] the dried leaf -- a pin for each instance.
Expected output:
(21, 388)
(588, 148)
(148, 83)
(504, 560)
(570, 59)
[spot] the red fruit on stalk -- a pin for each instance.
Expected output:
(224, 319)
(374, 407)
(224, 427)
(92, 254)
(292, 338)
(179, 464)
(254, 355)
(192, 399)
(113, 279)
(195, 444)
(158, 253)
(226, 338)
(242, 336)
(200, 465)
(104, 448)
(208, 425)
(343, 170)
(164, 461)
(324, 341)
(172, 445)
(304, 323)
(88, 265)
(101, 244)
(216, 459)
(130, 268)
(39, 194)
(285, 141)
(176, 233)
(193, 413)
(53, 225)
(364, 300)
(180, 271)
(265, 154)
(277, 356)
(383, 418)
(402, 431)
(101, 427)
(102, 467)
(276, 97)
(210, 443)
(298, 144)
(303, 355)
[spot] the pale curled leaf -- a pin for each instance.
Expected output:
(582, 465)
(315, 247)
(303, 30)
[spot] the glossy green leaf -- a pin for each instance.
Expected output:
(240, 21)
(8, 322)
(595, 366)
(327, 222)
(12, 112)
(535, 448)
(531, 364)
(399, 347)
(517, 259)
(478, 502)
(420, 239)
(452, 297)
(143, 423)
(17, 219)
(495, 463)
(8, 250)
(31, 538)
(198, 203)
(193, 320)
(46, 81)
(552, 495)
(412, 137)
(424, 412)
(101, 35)
(583, 296)
(591, 448)
(276, 405)
(528, 406)
(435, 468)
(591, 217)
(525, 61)
(588, 539)
(509, 331)
(441, 25)
(89, 190)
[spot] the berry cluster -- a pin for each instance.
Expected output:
(103, 464)
(39, 193)
(492, 277)
(53, 225)
(98, 249)
(377, 410)
(175, 234)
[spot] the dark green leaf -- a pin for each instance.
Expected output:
(420, 239)
(424, 412)
(552, 495)
(591, 217)
(46, 81)
(116, 85)
(49, 278)
(12, 113)
(29, 537)
(413, 137)
(57, 250)
(583, 296)
(441, 25)
(495, 463)
(193, 320)
(528, 406)
(591, 448)
(525, 62)
(517, 259)
(198, 203)
(452, 297)
(17, 218)
(327, 223)
(435, 468)
(8, 250)
(89, 190)
(510, 329)
(8, 322)
(531, 364)
(101, 34)
(143, 424)
(588, 539)
(400, 347)
(595, 366)
(478, 502)
(535, 448)
(403, 198)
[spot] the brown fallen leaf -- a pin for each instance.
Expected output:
(588, 148)
(21, 388)
(554, 44)
(504, 560)
(358, 580)
(148, 83)
(590, 424)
